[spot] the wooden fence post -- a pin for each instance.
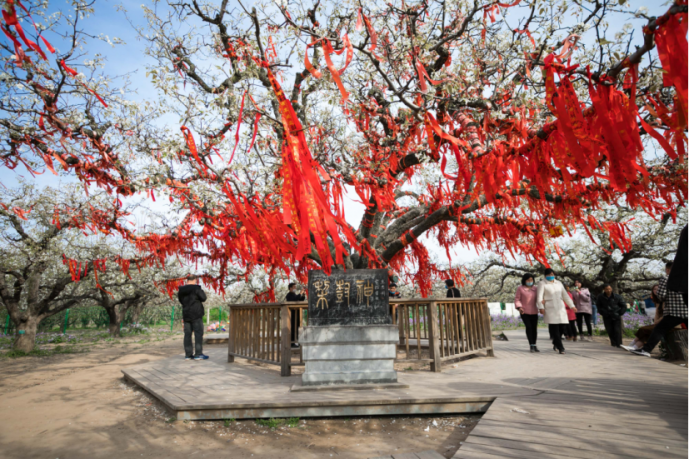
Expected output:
(231, 337)
(399, 312)
(286, 355)
(434, 351)
(487, 322)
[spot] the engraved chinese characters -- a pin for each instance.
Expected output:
(321, 289)
(352, 297)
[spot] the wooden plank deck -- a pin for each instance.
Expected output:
(595, 401)
(216, 389)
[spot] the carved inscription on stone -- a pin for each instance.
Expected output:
(352, 297)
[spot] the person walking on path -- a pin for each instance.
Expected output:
(675, 307)
(294, 296)
(571, 330)
(551, 300)
(526, 304)
(191, 296)
(452, 291)
(612, 307)
(583, 304)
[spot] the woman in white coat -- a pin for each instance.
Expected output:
(552, 298)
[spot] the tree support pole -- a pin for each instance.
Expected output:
(64, 326)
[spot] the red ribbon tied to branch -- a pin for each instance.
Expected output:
(74, 73)
(335, 73)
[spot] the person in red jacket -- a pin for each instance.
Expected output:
(571, 329)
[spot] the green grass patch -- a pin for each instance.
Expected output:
(274, 423)
(228, 421)
(59, 350)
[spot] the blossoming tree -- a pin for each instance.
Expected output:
(467, 121)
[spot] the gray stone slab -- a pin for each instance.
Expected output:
(358, 351)
(347, 366)
(349, 377)
(372, 386)
(349, 354)
(316, 335)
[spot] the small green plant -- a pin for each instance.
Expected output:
(228, 421)
(292, 422)
(59, 350)
(274, 423)
(171, 420)
(408, 368)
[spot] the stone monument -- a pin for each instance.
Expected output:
(350, 338)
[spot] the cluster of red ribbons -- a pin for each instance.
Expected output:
(671, 40)
(11, 21)
(75, 268)
(585, 156)
(328, 51)
(100, 166)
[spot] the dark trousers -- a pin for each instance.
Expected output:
(530, 327)
(571, 329)
(196, 326)
(666, 324)
(613, 329)
(588, 319)
(555, 332)
(294, 326)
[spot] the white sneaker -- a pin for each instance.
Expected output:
(631, 347)
(641, 353)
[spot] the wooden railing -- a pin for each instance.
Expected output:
(439, 329)
(261, 332)
(431, 330)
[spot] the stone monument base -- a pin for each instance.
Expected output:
(349, 354)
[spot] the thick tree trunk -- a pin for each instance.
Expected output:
(677, 344)
(26, 334)
(114, 322)
(136, 313)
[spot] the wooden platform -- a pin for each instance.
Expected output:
(594, 402)
(214, 389)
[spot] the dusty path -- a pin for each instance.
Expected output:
(77, 406)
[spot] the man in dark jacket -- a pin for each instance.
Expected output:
(294, 296)
(191, 297)
(452, 291)
(612, 307)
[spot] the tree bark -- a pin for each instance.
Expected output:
(26, 333)
(115, 318)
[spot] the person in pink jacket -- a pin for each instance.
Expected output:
(583, 303)
(526, 304)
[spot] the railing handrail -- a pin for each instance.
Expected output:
(403, 301)
(452, 327)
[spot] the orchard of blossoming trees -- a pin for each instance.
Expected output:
(498, 125)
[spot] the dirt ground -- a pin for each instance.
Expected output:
(79, 406)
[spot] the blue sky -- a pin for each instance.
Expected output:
(110, 20)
